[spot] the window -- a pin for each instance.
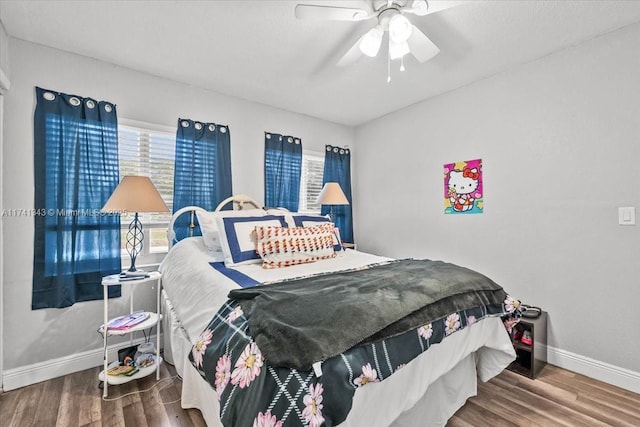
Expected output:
(148, 150)
(76, 170)
(311, 181)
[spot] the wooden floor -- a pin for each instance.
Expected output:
(557, 398)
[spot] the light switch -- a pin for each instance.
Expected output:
(627, 216)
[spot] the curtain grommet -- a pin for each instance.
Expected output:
(335, 149)
(49, 96)
(341, 151)
(198, 125)
(223, 129)
(212, 128)
(90, 104)
(184, 124)
(268, 136)
(328, 148)
(289, 140)
(297, 141)
(108, 108)
(74, 101)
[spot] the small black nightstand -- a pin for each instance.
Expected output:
(530, 359)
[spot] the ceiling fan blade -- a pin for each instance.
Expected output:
(352, 54)
(421, 46)
(308, 11)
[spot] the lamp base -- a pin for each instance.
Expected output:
(135, 237)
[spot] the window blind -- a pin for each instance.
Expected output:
(311, 181)
(149, 152)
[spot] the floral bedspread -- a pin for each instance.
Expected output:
(253, 393)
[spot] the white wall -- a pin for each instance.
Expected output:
(37, 336)
(560, 141)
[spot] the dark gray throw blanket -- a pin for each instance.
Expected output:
(299, 322)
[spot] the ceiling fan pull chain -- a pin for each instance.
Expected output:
(402, 63)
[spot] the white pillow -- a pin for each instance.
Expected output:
(209, 226)
(238, 240)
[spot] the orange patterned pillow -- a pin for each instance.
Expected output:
(283, 247)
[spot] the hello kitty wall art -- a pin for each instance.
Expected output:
(463, 190)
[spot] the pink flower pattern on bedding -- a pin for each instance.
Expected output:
(248, 366)
(313, 406)
(262, 395)
(266, 420)
(425, 331)
(369, 375)
(452, 323)
(223, 374)
(201, 346)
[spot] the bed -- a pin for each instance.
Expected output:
(413, 376)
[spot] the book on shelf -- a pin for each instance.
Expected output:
(128, 321)
(122, 370)
(123, 277)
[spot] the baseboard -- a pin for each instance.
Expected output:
(601, 371)
(43, 371)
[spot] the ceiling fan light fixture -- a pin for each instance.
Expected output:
(420, 7)
(371, 42)
(398, 50)
(399, 28)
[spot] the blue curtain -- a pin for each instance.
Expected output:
(202, 169)
(282, 169)
(337, 168)
(76, 170)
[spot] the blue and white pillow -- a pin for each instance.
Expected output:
(209, 226)
(312, 220)
(238, 240)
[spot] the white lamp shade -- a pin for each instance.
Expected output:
(135, 194)
(371, 42)
(332, 194)
(420, 7)
(399, 28)
(398, 50)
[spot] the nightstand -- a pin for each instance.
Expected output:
(152, 320)
(530, 359)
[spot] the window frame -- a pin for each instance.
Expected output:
(148, 256)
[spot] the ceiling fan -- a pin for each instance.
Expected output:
(403, 36)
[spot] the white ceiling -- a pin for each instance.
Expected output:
(258, 50)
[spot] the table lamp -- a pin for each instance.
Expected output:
(331, 195)
(135, 194)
